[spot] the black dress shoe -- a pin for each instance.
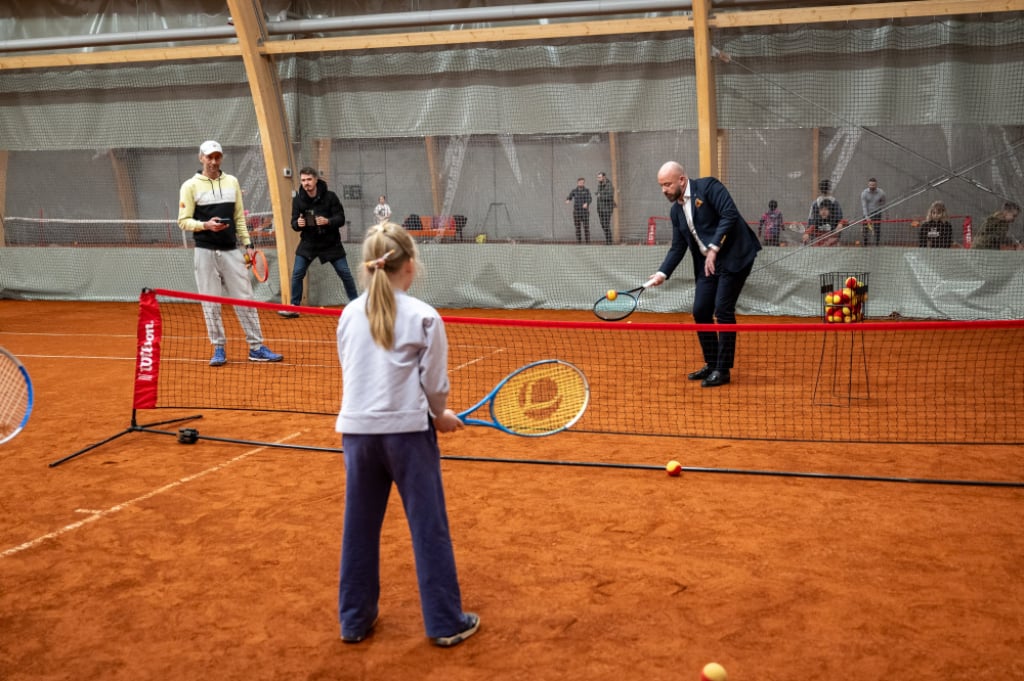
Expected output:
(716, 377)
(701, 373)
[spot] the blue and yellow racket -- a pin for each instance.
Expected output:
(15, 396)
(541, 398)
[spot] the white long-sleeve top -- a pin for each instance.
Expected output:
(392, 391)
(382, 212)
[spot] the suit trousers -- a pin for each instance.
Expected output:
(714, 301)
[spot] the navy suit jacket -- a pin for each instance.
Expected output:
(717, 222)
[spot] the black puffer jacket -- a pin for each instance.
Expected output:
(319, 241)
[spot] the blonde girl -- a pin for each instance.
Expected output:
(394, 361)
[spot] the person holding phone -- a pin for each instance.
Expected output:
(210, 207)
(318, 216)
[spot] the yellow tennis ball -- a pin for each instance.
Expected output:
(612, 294)
(673, 468)
(713, 672)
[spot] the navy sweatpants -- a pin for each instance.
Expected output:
(413, 462)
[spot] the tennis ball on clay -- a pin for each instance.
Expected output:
(713, 672)
(674, 468)
(611, 295)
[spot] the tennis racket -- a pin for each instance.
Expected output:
(258, 264)
(541, 398)
(15, 396)
(623, 304)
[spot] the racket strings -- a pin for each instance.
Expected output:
(542, 399)
(13, 396)
(613, 310)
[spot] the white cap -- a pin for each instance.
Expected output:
(209, 147)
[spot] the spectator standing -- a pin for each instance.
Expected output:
(318, 216)
(210, 207)
(769, 228)
(936, 231)
(382, 211)
(579, 197)
(872, 202)
(605, 204)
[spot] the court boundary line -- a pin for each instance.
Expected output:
(96, 515)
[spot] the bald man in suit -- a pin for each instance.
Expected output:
(706, 222)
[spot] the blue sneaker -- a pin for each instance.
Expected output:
(219, 358)
(263, 354)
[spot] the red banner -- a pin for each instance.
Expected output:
(652, 230)
(147, 355)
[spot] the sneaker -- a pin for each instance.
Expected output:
(263, 354)
(288, 314)
(219, 358)
(356, 638)
(472, 621)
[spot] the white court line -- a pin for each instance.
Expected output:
(67, 335)
(99, 515)
(471, 362)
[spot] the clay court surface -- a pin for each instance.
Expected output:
(147, 559)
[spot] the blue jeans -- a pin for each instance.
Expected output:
(302, 264)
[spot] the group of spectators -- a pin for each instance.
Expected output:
(580, 198)
(825, 222)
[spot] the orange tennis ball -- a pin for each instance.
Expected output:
(713, 672)
(612, 294)
(674, 468)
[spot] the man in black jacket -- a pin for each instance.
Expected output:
(317, 215)
(605, 205)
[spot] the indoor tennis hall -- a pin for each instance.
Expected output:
(845, 504)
